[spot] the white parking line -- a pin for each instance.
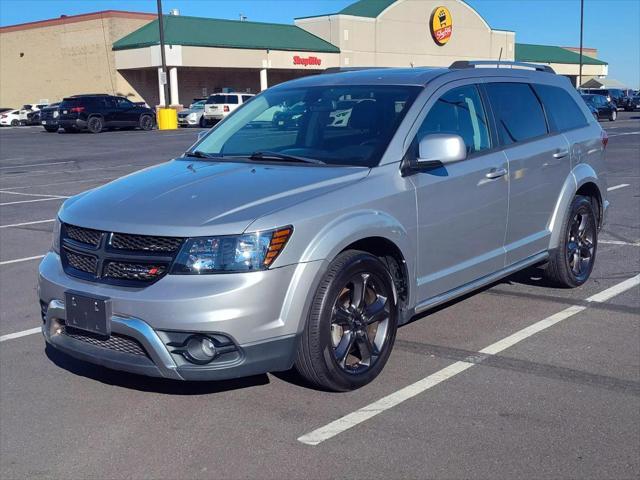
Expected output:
(616, 187)
(27, 223)
(24, 333)
(361, 415)
(37, 173)
(31, 201)
(33, 194)
(24, 165)
(90, 180)
(619, 242)
(18, 260)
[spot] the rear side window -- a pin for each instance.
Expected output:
(519, 115)
(246, 98)
(562, 111)
(459, 111)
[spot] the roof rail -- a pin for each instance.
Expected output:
(460, 64)
(348, 69)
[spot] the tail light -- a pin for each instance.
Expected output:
(605, 138)
(226, 108)
(3, 116)
(77, 109)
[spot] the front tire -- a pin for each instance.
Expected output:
(203, 122)
(570, 265)
(352, 324)
(95, 125)
(146, 122)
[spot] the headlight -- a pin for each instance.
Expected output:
(237, 253)
(192, 115)
(55, 240)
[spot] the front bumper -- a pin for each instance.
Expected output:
(261, 313)
(188, 121)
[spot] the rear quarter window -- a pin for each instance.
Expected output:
(518, 113)
(563, 112)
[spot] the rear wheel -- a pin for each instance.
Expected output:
(571, 263)
(613, 116)
(351, 326)
(15, 123)
(146, 122)
(95, 125)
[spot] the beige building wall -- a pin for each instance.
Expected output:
(400, 36)
(53, 59)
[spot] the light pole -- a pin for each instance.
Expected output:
(581, 32)
(164, 77)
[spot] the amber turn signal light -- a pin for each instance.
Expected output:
(278, 240)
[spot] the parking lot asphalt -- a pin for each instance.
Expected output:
(518, 380)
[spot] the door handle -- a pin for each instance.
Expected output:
(496, 173)
(561, 154)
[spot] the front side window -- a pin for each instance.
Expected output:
(338, 125)
(459, 111)
(562, 111)
(519, 115)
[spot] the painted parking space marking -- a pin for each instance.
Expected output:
(19, 260)
(33, 194)
(617, 187)
(25, 165)
(24, 224)
(90, 180)
(363, 414)
(619, 242)
(31, 201)
(23, 333)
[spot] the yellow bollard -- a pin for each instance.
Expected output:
(167, 119)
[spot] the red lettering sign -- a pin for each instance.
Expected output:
(306, 61)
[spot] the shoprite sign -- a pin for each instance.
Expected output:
(441, 25)
(306, 61)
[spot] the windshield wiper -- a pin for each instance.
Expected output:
(283, 157)
(198, 154)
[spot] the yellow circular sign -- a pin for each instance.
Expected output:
(441, 25)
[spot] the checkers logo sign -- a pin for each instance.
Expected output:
(306, 61)
(441, 25)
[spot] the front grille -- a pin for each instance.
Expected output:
(145, 243)
(83, 235)
(134, 271)
(116, 258)
(84, 263)
(116, 342)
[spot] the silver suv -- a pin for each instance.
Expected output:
(262, 248)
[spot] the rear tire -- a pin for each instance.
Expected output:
(15, 123)
(203, 122)
(571, 264)
(95, 125)
(146, 122)
(351, 326)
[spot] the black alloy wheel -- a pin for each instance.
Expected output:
(351, 326)
(95, 125)
(146, 122)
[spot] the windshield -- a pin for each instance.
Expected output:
(342, 125)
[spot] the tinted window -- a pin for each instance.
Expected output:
(123, 103)
(518, 112)
(246, 98)
(562, 111)
(230, 99)
(459, 111)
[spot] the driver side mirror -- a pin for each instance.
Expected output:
(440, 149)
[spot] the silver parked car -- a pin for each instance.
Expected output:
(307, 247)
(193, 116)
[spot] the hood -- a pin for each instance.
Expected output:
(185, 198)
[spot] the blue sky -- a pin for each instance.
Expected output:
(611, 26)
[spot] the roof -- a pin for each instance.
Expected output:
(604, 83)
(526, 52)
(212, 32)
(366, 8)
(65, 19)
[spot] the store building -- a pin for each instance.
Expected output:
(205, 55)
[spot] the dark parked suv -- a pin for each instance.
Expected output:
(98, 112)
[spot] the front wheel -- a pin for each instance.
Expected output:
(352, 324)
(146, 122)
(570, 265)
(203, 122)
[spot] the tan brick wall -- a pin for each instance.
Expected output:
(54, 61)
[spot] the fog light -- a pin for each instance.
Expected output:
(200, 349)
